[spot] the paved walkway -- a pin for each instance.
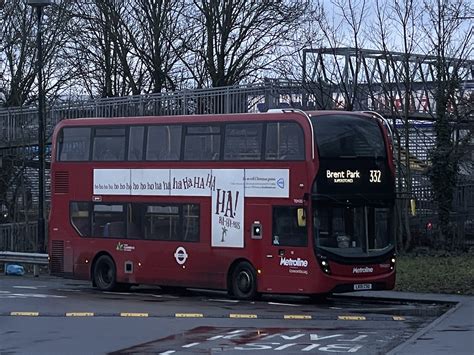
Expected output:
(450, 334)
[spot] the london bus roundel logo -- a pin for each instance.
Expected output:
(180, 255)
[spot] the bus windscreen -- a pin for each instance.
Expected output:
(348, 136)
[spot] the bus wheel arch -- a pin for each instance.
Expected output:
(104, 272)
(242, 280)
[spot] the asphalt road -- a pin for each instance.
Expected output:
(53, 315)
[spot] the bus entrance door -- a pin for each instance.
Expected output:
(287, 253)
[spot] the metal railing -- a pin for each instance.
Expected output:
(18, 237)
(23, 258)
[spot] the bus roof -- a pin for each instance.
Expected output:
(266, 116)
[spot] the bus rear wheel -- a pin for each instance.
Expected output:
(244, 281)
(105, 273)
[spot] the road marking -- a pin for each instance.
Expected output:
(25, 295)
(283, 304)
(168, 352)
(25, 314)
(165, 296)
(26, 287)
(351, 318)
(125, 314)
(189, 315)
(297, 316)
(228, 335)
(79, 314)
(190, 345)
(222, 300)
(398, 318)
(239, 315)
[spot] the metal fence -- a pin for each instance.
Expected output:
(18, 237)
(18, 125)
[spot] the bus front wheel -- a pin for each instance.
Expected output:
(105, 273)
(244, 281)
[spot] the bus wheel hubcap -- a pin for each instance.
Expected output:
(244, 281)
(106, 274)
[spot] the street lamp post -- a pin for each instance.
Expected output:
(40, 239)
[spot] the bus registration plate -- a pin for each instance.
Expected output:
(358, 287)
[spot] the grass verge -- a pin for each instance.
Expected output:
(436, 274)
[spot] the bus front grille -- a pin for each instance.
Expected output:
(57, 257)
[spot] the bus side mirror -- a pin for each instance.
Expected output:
(301, 213)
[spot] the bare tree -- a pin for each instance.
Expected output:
(402, 17)
(18, 74)
(127, 47)
(157, 44)
(17, 70)
(347, 29)
(103, 47)
(451, 40)
(234, 41)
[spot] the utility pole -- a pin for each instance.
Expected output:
(40, 239)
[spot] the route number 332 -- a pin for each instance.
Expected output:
(375, 176)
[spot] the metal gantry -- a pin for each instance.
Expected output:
(357, 79)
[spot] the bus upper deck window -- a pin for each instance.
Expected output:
(74, 144)
(109, 144)
(284, 141)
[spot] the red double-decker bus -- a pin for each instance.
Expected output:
(280, 202)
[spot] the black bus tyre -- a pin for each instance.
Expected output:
(105, 273)
(244, 281)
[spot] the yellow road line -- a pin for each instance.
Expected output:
(241, 315)
(25, 314)
(297, 316)
(189, 315)
(126, 314)
(79, 314)
(351, 318)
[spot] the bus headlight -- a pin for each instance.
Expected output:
(324, 264)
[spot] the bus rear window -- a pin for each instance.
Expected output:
(74, 144)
